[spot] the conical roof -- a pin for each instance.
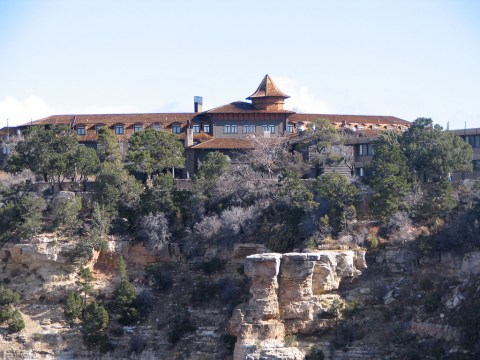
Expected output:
(267, 88)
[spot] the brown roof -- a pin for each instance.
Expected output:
(223, 143)
(267, 88)
(350, 119)
(112, 119)
(242, 107)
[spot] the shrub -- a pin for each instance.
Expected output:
(180, 323)
(126, 299)
(95, 324)
(153, 230)
(8, 296)
(290, 341)
(213, 265)
(314, 354)
(203, 292)
(160, 279)
(73, 306)
(16, 323)
(137, 345)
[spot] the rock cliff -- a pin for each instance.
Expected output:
(290, 293)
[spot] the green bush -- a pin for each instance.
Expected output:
(73, 306)
(213, 266)
(161, 280)
(180, 323)
(16, 323)
(314, 354)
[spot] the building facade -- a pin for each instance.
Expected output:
(230, 128)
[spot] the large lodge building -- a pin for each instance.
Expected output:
(230, 128)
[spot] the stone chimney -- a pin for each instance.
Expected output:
(197, 104)
(188, 135)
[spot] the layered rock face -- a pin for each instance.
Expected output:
(291, 293)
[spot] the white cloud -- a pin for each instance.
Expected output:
(20, 111)
(301, 99)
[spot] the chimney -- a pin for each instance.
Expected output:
(189, 135)
(197, 104)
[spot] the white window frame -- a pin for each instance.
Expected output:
(119, 129)
(156, 126)
(81, 131)
(196, 128)
(206, 128)
(176, 129)
(137, 128)
(270, 129)
(290, 128)
(230, 129)
(249, 129)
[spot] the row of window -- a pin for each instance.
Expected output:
(473, 140)
(249, 129)
(120, 129)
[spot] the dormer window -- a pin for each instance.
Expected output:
(196, 129)
(137, 128)
(290, 128)
(81, 130)
(176, 128)
(119, 129)
(206, 128)
(97, 128)
(156, 126)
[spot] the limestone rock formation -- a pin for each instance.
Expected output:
(290, 292)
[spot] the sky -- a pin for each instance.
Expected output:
(409, 58)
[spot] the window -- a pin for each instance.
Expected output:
(290, 128)
(230, 129)
(249, 129)
(476, 165)
(268, 129)
(97, 128)
(361, 172)
(137, 128)
(206, 128)
(156, 126)
(5, 150)
(176, 129)
(473, 140)
(119, 130)
(196, 129)
(80, 130)
(365, 149)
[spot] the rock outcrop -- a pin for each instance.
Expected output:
(291, 293)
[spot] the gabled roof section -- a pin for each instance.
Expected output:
(350, 119)
(241, 107)
(111, 119)
(267, 88)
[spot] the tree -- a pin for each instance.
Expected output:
(116, 187)
(388, 175)
(340, 196)
(8, 313)
(94, 325)
(20, 212)
(271, 156)
(153, 230)
(433, 153)
(65, 211)
(108, 148)
(73, 306)
(47, 151)
(214, 165)
(318, 140)
(85, 162)
(152, 151)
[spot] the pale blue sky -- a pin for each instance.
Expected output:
(406, 58)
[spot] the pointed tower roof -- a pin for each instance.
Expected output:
(267, 88)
